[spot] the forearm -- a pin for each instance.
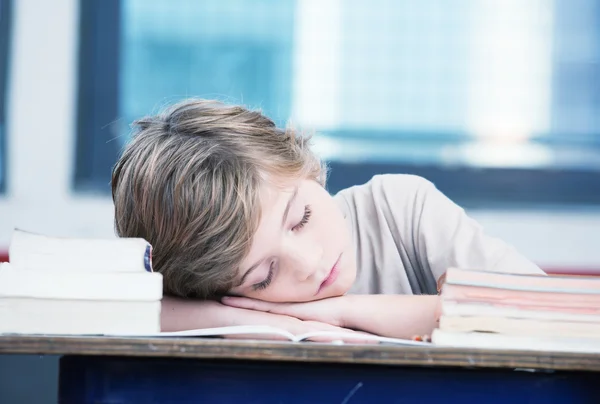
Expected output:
(397, 316)
(188, 314)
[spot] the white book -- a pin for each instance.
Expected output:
(480, 340)
(453, 308)
(29, 251)
(82, 285)
(523, 282)
(78, 317)
(521, 326)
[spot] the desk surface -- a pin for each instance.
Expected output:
(297, 352)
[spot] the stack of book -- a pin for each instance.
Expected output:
(493, 310)
(79, 286)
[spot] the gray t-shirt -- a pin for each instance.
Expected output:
(407, 234)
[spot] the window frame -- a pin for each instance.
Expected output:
(506, 188)
(481, 187)
(5, 46)
(97, 102)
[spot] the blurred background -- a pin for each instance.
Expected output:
(495, 101)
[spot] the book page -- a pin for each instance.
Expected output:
(364, 337)
(221, 331)
(273, 331)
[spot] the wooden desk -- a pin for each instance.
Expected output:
(151, 370)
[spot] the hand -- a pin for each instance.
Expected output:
(186, 314)
(331, 311)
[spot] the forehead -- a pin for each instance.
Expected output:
(274, 192)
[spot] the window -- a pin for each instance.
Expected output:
(5, 17)
(138, 54)
(495, 102)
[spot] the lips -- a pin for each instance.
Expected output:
(332, 276)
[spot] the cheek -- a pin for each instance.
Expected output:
(280, 293)
(332, 222)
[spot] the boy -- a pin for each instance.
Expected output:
(239, 218)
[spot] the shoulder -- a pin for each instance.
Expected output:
(384, 215)
(393, 199)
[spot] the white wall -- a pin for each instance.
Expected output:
(41, 127)
(41, 134)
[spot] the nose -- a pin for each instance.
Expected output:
(304, 258)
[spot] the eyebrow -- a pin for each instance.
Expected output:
(249, 271)
(285, 215)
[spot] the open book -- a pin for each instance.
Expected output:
(337, 337)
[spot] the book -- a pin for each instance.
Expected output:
(520, 326)
(498, 309)
(30, 251)
(525, 299)
(249, 330)
(524, 282)
(514, 342)
(77, 317)
(487, 309)
(79, 285)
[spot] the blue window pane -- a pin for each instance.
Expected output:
(507, 84)
(237, 51)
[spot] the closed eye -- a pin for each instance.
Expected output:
(264, 284)
(304, 220)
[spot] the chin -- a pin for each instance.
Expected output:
(341, 289)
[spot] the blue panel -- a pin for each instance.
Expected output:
(143, 380)
(5, 38)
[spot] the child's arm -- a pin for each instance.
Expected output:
(396, 316)
(188, 314)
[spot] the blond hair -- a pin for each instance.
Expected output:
(189, 181)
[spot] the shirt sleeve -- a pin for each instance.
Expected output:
(443, 235)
